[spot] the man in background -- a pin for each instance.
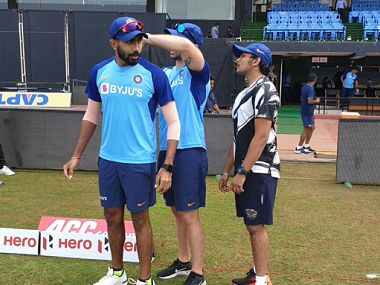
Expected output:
(212, 104)
(308, 100)
(350, 85)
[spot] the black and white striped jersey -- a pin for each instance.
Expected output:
(259, 100)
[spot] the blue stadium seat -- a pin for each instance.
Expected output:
(303, 25)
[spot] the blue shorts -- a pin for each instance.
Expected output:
(308, 121)
(347, 92)
(256, 203)
(124, 183)
(188, 191)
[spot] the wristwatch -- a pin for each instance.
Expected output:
(240, 170)
(168, 167)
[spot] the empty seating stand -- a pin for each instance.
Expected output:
(304, 26)
(367, 12)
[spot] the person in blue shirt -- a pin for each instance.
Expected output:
(308, 100)
(350, 83)
(190, 82)
(127, 89)
(212, 103)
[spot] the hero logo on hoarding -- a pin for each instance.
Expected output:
(24, 99)
(129, 246)
(19, 241)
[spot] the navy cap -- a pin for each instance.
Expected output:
(189, 31)
(259, 50)
(133, 28)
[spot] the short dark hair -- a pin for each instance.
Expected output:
(311, 77)
(264, 69)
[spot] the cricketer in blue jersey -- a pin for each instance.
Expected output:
(308, 100)
(190, 82)
(127, 89)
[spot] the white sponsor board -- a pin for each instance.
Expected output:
(35, 99)
(82, 238)
(19, 241)
(83, 246)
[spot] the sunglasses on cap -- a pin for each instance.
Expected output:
(181, 28)
(131, 27)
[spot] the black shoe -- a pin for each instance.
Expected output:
(195, 279)
(307, 150)
(250, 279)
(175, 269)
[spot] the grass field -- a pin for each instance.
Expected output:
(289, 120)
(324, 233)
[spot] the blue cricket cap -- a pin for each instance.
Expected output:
(126, 29)
(258, 49)
(189, 31)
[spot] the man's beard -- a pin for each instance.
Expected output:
(127, 58)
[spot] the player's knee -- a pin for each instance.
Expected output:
(256, 230)
(113, 216)
(140, 220)
(187, 218)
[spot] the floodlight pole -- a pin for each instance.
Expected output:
(22, 47)
(281, 78)
(67, 52)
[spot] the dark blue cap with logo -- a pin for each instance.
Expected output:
(189, 31)
(258, 49)
(126, 29)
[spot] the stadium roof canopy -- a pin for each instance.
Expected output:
(346, 49)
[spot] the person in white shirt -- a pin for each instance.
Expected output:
(341, 6)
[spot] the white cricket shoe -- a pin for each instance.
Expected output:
(5, 170)
(148, 282)
(111, 279)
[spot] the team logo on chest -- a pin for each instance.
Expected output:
(138, 79)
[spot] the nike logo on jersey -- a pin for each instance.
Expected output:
(141, 204)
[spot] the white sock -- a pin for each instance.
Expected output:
(306, 145)
(299, 146)
(261, 280)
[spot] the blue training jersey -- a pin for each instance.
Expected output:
(307, 92)
(349, 80)
(190, 90)
(129, 96)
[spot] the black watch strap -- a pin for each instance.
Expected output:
(242, 171)
(168, 167)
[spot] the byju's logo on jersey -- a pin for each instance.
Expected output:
(137, 79)
(109, 89)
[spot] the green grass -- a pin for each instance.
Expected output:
(324, 233)
(355, 31)
(289, 120)
(253, 31)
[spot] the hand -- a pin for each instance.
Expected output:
(145, 40)
(237, 184)
(318, 100)
(163, 181)
(223, 183)
(69, 167)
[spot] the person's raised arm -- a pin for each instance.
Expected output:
(189, 52)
